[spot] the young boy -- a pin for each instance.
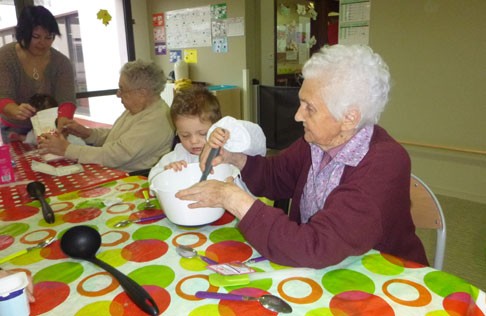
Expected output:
(194, 112)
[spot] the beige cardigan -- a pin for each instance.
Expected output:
(135, 142)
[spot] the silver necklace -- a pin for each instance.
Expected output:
(35, 74)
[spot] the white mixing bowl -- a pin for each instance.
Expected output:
(166, 184)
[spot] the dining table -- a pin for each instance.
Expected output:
(23, 155)
(373, 283)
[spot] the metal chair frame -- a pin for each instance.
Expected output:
(427, 213)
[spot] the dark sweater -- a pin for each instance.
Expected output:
(369, 209)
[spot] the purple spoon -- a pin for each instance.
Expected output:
(270, 302)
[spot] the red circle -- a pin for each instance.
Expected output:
(223, 220)
(359, 303)
(53, 251)
(93, 192)
(18, 213)
(461, 303)
(5, 241)
(82, 215)
(144, 250)
(229, 251)
(44, 300)
(122, 305)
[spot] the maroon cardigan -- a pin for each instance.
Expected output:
(369, 209)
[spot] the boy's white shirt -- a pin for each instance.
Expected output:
(245, 137)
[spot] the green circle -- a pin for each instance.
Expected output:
(96, 308)
(68, 196)
(152, 232)
(226, 233)
(378, 264)
(158, 275)
(263, 284)
(444, 284)
(91, 203)
(14, 229)
(70, 272)
(343, 280)
(206, 310)
(323, 311)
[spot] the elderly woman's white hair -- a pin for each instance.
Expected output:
(144, 75)
(353, 77)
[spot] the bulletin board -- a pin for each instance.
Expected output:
(189, 27)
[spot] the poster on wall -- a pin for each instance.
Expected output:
(175, 56)
(219, 34)
(354, 20)
(160, 44)
(189, 27)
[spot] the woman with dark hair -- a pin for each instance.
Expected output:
(31, 66)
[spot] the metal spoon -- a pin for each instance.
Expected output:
(36, 190)
(42, 244)
(207, 167)
(270, 302)
(82, 242)
(148, 204)
(138, 220)
(188, 252)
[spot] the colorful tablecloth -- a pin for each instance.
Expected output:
(15, 194)
(372, 284)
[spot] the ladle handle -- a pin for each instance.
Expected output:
(46, 210)
(137, 293)
(207, 168)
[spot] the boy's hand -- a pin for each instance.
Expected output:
(176, 165)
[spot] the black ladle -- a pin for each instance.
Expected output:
(82, 242)
(36, 190)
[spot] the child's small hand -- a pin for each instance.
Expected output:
(176, 165)
(218, 137)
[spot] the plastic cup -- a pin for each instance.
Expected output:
(13, 296)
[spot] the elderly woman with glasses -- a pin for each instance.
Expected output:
(138, 138)
(31, 66)
(347, 178)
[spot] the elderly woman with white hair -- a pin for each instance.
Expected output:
(139, 137)
(348, 179)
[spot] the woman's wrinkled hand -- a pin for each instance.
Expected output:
(53, 143)
(74, 128)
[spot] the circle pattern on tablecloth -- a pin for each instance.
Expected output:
(359, 303)
(152, 232)
(61, 206)
(343, 280)
(423, 298)
(120, 208)
(159, 295)
(445, 284)
(81, 215)
(200, 239)
(53, 251)
(379, 264)
(37, 236)
(44, 300)
(112, 285)
(113, 238)
(144, 250)
(223, 220)
(190, 279)
(5, 241)
(51, 273)
(461, 303)
(314, 295)
(159, 275)
(245, 308)
(98, 308)
(18, 213)
(228, 251)
(226, 233)
(14, 229)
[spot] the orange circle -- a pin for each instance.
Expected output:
(113, 285)
(191, 297)
(130, 207)
(67, 206)
(124, 187)
(200, 242)
(50, 233)
(423, 299)
(315, 294)
(124, 237)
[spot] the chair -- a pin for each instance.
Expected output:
(276, 108)
(427, 213)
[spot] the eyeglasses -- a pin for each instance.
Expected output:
(126, 91)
